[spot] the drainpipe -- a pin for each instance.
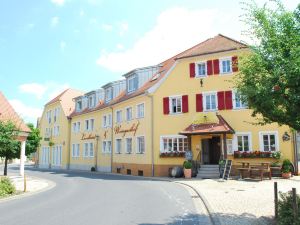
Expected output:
(69, 143)
(96, 152)
(295, 151)
(152, 135)
(112, 145)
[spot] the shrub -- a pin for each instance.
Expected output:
(6, 187)
(285, 210)
(286, 166)
(187, 165)
(93, 169)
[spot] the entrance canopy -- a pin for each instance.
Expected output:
(208, 124)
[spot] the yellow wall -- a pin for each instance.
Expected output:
(63, 137)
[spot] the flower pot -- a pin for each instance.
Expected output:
(187, 173)
(286, 175)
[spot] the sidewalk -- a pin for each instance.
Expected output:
(33, 185)
(242, 202)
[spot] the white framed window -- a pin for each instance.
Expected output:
(140, 110)
(119, 116)
(44, 158)
(74, 129)
(118, 146)
(129, 113)
(87, 122)
(92, 101)
(237, 101)
(86, 150)
(91, 149)
(210, 101)
(107, 120)
(75, 150)
(173, 143)
(225, 66)
(56, 155)
(92, 121)
(48, 115)
(268, 141)
(201, 69)
(89, 125)
(56, 131)
(243, 141)
(175, 104)
(229, 144)
(106, 147)
(78, 127)
(56, 114)
(78, 105)
(128, 145)
(108, 95)
(140, 145)
(131, 84)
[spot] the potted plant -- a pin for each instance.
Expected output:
(286, 169)
(187, 169)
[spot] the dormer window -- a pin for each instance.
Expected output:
(131, 84)
(79, 105)
(92, 101)
(108, 95)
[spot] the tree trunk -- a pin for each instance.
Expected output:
(5, 167)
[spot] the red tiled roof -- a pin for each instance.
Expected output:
(209, 128)
(57, 98)
(218, 43)
(7, 113)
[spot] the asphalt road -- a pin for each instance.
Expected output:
(83, 198)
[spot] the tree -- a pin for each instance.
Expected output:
(33, 140)
(269, 78)
(10, 147)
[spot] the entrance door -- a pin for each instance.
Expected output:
(211, 150)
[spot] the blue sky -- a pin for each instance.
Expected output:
(49, 45)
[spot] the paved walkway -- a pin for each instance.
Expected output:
(242, 201)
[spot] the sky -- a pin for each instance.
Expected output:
(47, 46)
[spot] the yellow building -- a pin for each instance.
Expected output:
(54, 125)
(144, 124)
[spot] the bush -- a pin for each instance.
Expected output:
(286, 166)
(6, 187)
(93, 169)
(187, 165)
(285, 210)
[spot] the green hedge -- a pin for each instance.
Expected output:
(6, 187)
(285, 210)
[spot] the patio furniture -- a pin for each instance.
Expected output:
(261, 170)
(245, 168)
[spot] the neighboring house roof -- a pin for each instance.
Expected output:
(66, 100)
(209, 128)
(219, 43)
(7, 113)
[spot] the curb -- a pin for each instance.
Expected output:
(214, 219)
(50, 185)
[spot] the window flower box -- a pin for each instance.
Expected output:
(255, 154)
(172, 154)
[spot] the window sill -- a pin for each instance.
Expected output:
(210, 110)
(174, 114)
(227, 73)
(172, 154)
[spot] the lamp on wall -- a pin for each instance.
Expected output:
(201, 82)
(286, 136)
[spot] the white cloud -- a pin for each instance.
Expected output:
(120, 46)
(63, 45)
(58, 2)
(123, 28)
(107, 27)
(45, 91)
(176, 29)
(33, 88)
(54, 21)
(28, 113)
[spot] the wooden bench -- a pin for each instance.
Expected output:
(245, 168)
(261, 170)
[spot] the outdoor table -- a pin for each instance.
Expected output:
(261, 169)
(245, 167)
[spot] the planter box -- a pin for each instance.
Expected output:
(172, 154)
(253, 155)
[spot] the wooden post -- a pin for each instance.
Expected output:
(225, 146)
(25, 184)
(276, 199)
(295, 205)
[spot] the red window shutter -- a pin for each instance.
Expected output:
(199, 103)
(221, 100)
(166, 105)
(228, 99)
(216, 66)
(185, 103)
(209, 67)
(235, 67)
(192, 70)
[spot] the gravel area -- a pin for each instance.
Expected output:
(243, 201)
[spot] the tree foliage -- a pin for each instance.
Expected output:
(33, 140)
(269, 78)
